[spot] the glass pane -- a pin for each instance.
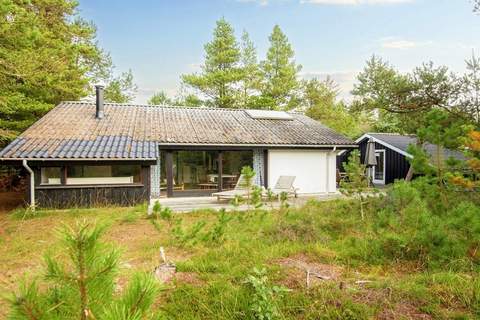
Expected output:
(117, 174)
(233, 162)
(51, 175)
(195, 170)
(379, 166)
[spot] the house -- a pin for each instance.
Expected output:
(96, 153)
(392, 155)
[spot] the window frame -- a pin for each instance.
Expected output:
(64, 176)
(52, 184)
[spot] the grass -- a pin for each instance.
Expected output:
(212, 271)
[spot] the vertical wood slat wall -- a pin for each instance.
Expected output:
(60, 197)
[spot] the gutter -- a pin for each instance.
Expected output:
(32, 183)
(79, 159)
(272, 146)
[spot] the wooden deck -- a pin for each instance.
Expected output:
(188, 204)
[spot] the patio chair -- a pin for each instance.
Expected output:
(285, 184)
(240, 189)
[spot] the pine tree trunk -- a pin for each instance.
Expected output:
(409, 175)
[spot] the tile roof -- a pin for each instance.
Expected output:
(71, 131)
(403, 141)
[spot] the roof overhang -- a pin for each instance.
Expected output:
(215, 146)
(91, 160)
(383, 143)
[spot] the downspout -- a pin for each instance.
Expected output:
(32, 183)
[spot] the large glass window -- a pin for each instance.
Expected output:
(51, 175)
(233, 162)
(99, 174)
(195, 170)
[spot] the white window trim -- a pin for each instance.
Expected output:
(100, 180)
(59, 179)
(384, 168)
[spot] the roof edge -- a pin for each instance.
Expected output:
(172, 107)
(383, 143)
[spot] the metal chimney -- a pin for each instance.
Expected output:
(99, 101)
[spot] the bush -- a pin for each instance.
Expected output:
(406, 228)
(264, 295)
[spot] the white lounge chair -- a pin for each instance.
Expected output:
(240, 189)
(285, 184)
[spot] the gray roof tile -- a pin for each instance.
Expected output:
(403, 141)
(71, 130)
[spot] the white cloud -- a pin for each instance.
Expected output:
(402, 44)
(260, 2)
(355, 2)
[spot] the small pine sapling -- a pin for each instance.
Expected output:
(237, 201)
(283, 197)
(217, 233)
(356, 183)
(81, 283)
(248, 174)
(157, 207)
(188, 236)
(256, 199)
(271, 197)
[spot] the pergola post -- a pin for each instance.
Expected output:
(169, 168)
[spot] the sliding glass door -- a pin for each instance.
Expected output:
(233, 162)
(197, 173)
(194, 172)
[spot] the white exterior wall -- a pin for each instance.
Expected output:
(315, 170)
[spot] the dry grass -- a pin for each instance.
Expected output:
(208, 272)
(23, 243)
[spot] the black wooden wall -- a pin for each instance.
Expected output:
(68, 196)
(396, 164)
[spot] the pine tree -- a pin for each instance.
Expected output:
(251, 77)
(221, 71)
(48, 54)
(121, 89)
(280, 73)
(319, 99)
(159, 98)
(81, 283)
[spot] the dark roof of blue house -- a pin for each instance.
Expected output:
(71, 131)
(401, 143)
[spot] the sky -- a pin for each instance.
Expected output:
(163, 39)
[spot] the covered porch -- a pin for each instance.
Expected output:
(198, 172)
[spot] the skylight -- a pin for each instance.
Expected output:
(269, 115)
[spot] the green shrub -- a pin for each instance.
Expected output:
(264, 295)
